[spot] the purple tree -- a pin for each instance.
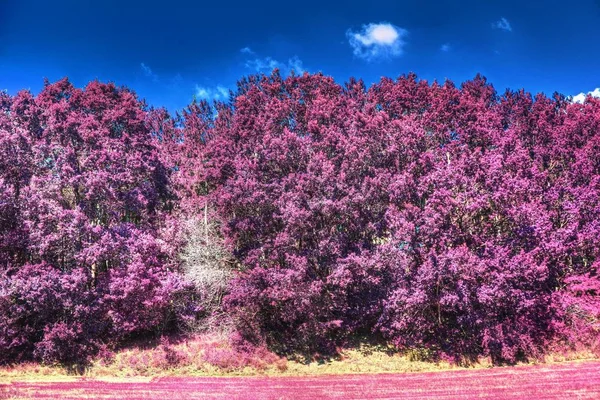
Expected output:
(92, 197)
(438, 217)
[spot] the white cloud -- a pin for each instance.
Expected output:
(445, 48)
(580, 98)
(246, 50)
(377, 41)
(267, 65)
(223, 91)
(207, 93)
(503, 24)
(148, 72)
(261, 64)
(296, 64)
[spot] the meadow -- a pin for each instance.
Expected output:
(553, 381)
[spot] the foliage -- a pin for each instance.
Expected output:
(438, 217)
(447, 219)
(85, 207)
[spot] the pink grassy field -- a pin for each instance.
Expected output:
(575, 380)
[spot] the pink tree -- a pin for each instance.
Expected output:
(92, 196)
(431, 215)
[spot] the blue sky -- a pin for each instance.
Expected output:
(168, 51)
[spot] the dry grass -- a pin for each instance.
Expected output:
(211, 355)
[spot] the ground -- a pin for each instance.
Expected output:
(567, 380)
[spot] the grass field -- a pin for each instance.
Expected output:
(568, 380)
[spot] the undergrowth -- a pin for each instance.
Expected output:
(213, 355)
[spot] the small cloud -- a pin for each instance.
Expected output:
(267, 65)
(223, 91)
(445, 48)
(377, 41)
(295, 64)
(261, 64)
(580, 98)
(503, 24)
(148, 72)
(246, 50)
(208, 93)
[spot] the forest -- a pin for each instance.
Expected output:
(306, 214)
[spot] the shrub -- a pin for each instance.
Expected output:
(50, 314)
